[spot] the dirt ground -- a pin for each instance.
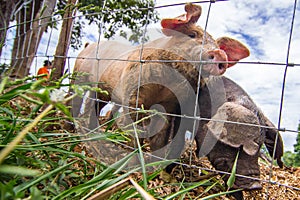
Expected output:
(284, 184)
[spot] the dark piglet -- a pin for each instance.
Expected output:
(223, 100)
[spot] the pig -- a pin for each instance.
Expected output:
(160, 74)
(223, 99)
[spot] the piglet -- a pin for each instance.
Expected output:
(223, 100)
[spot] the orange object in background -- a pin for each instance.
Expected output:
(45, 70)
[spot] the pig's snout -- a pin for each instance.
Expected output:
(217, 61)
(219, 56)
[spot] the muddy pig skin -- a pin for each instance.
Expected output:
(223, 100)
(165, 80)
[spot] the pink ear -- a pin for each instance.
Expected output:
(192, 15)
(234, 49)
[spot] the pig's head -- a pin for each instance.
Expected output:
(231, 138)
(219, 54)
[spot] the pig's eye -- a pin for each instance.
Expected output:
(192, 35)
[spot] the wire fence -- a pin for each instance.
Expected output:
(47, 53)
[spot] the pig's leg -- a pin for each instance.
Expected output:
(200, 137)
(238, 195)
(77, 101)
(161, 138)
(171, 139)
(270, 142)
(89, 114)
(74, 104)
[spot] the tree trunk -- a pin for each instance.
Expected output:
(64, 41)
(26, 45)
(22, 17)
(6, 11)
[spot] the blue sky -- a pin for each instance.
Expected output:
(264, 27)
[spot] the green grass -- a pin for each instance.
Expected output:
(41, 160)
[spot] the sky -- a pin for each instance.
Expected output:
(264, 26)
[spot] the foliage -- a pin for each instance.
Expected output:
(3, 68)
(289, 158)
(293, 158)
(51, 162)
(113, 17)
(44, 162)
(231, 178)
(297, 149)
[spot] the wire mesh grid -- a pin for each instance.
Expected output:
(46, 54)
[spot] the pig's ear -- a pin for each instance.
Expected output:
(234, 49)
(236, 134)
(192, 15)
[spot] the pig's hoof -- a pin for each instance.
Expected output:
(238, 195)
(255, 186)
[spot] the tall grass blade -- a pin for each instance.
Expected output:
(231, 179)
(183, 191)
(27, 185)
(213, 196)
(18, 170)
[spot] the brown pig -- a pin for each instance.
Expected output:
(162, 74)
(223, 100)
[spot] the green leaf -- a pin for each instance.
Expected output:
(37, 84)
(35, 194)
(231, 179)
(3, 83)
(213, 196)
(43, 94)
(64, 109)
(6, 190)
(18, 170)
(111, 122)
(31, 100)
(183, 191)
(29, 184)
(14, 93)
(103, 179)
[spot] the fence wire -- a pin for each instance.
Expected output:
(283, 90)
(46, 54)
